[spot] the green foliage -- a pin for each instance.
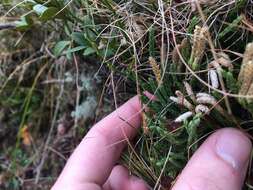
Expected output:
(59, 47)
(231, 27)
(191, 129)
(36, 10)
(231, 82)
(24, 23)
(45, 13)
(152, 42)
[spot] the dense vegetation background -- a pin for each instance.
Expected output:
(65, 64)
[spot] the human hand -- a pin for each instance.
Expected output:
(219, 164)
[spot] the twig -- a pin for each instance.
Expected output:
(7, 26)
(163, 169)
(78, 92)
(49, 137)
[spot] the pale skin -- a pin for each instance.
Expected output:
(219, 164)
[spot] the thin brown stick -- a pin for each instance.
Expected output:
(7, 26)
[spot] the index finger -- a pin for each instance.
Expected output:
(94, 158)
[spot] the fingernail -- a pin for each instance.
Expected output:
(234, 148)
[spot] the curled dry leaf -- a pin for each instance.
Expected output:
(202, 109)
(203, 94)
(204, 98)
(183, 100)
(183, 117)
(26, 135)
(123, 41)
(207, 99)
(213, 76)
(225, 61)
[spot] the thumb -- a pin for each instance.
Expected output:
(219, 164)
